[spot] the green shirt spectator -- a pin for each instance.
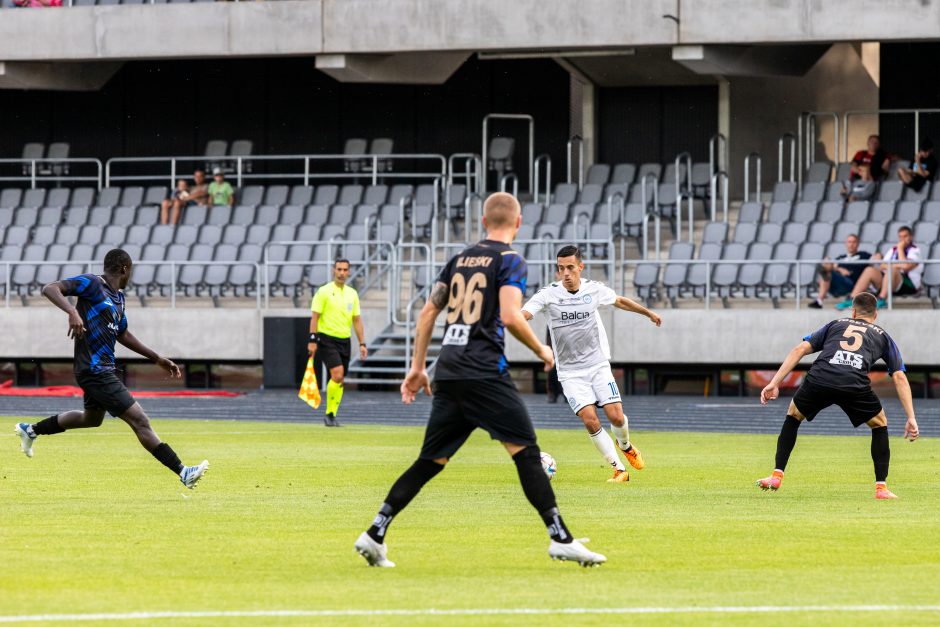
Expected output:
(220, 192)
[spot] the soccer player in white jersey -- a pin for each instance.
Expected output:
(582, 354)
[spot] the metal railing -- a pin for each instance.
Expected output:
(747, 177)
(547, 160)
(722, 176)
(650, 210)
(31, 171)
(787, 139)
(486, 141)
(786, 289)
(684, 192)
(569, 146)
(472, 173)
(301, 168)
(505, 179)
(807, 129)
(717, 154)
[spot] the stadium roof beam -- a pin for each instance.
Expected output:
(785, 60)
(414, 68)
(57, 76)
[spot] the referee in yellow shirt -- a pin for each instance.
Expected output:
(335, 308)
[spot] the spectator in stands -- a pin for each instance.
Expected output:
(220, 192)
(196, 194)
(905, 276)
(877, 160)
(923, 169)
(839, 278)
(861, 188)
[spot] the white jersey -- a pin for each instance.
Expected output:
(578, 335)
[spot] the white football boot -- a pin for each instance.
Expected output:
(192, 474)
(26, 440)
(575, 552)
(375, 553)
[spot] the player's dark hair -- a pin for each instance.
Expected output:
(865, 304)
(926, 144)
(570, 251)
(906, 228)
(115, 260)
(339, 261)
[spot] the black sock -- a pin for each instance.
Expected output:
(49, 426)
(406, 488)
(539, 492)
(166, 456)
(786, 441)
(880, 452)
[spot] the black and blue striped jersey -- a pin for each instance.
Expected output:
(102, 311)
(474, 339)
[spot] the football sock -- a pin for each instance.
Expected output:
(406, 488)
(786, 441)
(539, 492)
(880, 453)
(622, 434)
(166, 456)
(49, 426)
(334, 394)
(605, 445)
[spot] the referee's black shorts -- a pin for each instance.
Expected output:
(105, 392)
(859, 405)
(460, 406)
(333, 351)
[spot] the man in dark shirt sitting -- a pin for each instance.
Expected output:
(923, 169)
(840, 278)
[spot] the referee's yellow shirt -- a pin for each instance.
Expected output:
(336, 306)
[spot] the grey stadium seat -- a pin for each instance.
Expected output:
(317, 214)
(220, 215)
(210, 234)
(856, 211)
(696, 278)
(830, 211)
(565, 193)
(597, 174)
(931, 211)
(308, 233)
(16, 235)
(646, 281)
(44, 235)
(375, 195)
(890, 190)
(250, 195)
(186, 234)
(268, 214)
(292, 214)
(804, 211)
(751, 276)
(100, 215)
(276, 195)
(258, 234)
(715, 233)
(125, 216)
(51, 215)
(114, 235)
(68, 234)
(921, 195)
(234, 234)
(326, 195)
(283, 232)
(25, 216)
(138, 234)
(155, 195)
(883, 211)
(33, 198)
(931, 277)
(795, 232)
(82, 197)
(926, 233)
(834, 189)
(243, 214)
(872, 232)
(779, 212)
(769, 233)
(76, 215)
(818, 172)
(10, 198)
(725, 275)
(132, 196)
(350, 195)
(161, 234)
(195, 215)
(591, 194)
(844, 229)
(108, 197)
(777, 275)
(745, 233)
(6, 216)
(301, 195)
(814, 191)
(751, 212)
(623, 173)
(906, 211)
(784, 191)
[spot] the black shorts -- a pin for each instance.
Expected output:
(859, 406)
(906, 287)
(333, 351)
(460, 406)
(105, 392)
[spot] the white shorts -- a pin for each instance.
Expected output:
(595, 388)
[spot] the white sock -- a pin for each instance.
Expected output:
(622, 434)
(605, 445)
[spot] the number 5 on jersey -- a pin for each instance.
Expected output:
(465, 307)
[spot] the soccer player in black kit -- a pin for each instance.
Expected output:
(481, 288)
(95, 324)
(848, 348)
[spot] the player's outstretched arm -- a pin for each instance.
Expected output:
(772, 390)
(510, 311)
(630, 305)
(130, 341)
(55, 292)
(417, 378)
(903, 386)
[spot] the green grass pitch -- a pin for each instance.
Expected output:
(94, 524)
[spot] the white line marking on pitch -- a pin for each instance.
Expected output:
(732, 609)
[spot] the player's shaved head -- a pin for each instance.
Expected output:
(501, 210)
(865, 305)
(116, 260)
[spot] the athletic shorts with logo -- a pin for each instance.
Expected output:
(597, 387)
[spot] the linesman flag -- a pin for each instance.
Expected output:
(309, 390)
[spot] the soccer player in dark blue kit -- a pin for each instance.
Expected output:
(848, 348)
(95, 324)
(481, 288)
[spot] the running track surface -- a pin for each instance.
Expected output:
(650, 413)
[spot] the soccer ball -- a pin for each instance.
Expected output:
(549, 465)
